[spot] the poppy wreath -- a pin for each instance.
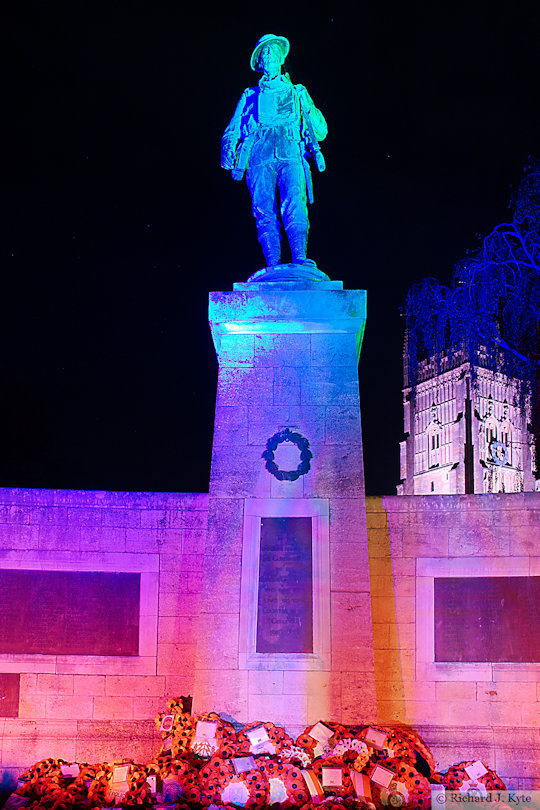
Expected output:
(456, 776)
(305, 455)
(418, 790)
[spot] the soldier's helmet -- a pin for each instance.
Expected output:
(268, 39)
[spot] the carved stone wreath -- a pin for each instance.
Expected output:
(305, 455)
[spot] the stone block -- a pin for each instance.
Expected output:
(47, 516)
(402, 636)
(287, 489)
(52, 538)
(394, 665)
(336, 472)
(55, 684)
(266, 420)
(282, 349)
(343, 425)
(376, 520)
(106, 741)
(474, 540)
(351, 632)
(225, 526)
(231, 425)
(330, 386)
(178, 603)
(455, 690)
(358, 697)
(134, 685)
(236, 350)
(93, 685)
(348, 523)
(286, 385)
(524, 540)
(244, 386)
(348, 567)
(221, 584)
(113, 708)
(283, 712)
(390, 712)
(25, 744)
(334, 350)
(453, 672)
(323, 705)
(177, 629)
(31, 706)
(69, 707)
(521, 692)
(81, 516)
(175, 658)
(187, 517)
(517, 672)
(425, 711)
(146, 708)
(312, 683)
(380, 545)
(217, 646)
(381, 636)
(428, 542)
(13, 513)
(228, 696)
(239, 475)
(383, 609)
(121, 518)
(176, 685)
(14, 536)
(103, 539)
(261, 682)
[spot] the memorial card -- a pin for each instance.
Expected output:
(332, 777)
(167, 723)
(476, 770)
(321, 732)
(257, 735)
(382, 776)
(205, 731)
(70, 771)
(375, 738)
(243, 764)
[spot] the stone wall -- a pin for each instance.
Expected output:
(96, 708)
(489, 711)
(101, 708)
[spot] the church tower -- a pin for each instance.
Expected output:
(467, 429)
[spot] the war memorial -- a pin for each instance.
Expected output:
(280, 639)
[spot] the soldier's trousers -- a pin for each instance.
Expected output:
(264, 181)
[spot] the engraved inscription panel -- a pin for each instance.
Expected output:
(285, 599)
(69, 613)
(495, 619)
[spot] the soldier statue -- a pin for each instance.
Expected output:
(273, 131)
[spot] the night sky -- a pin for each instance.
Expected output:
(118, 219)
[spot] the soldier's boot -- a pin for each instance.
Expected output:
(271, 247)
(298, 242)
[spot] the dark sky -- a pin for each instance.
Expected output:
(118, 219)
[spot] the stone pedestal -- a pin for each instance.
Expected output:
(288, 361)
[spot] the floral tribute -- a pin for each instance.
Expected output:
(306, 455)
(205, 762)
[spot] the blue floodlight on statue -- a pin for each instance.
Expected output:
(274, 131)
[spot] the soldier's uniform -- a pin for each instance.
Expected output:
(269, 135)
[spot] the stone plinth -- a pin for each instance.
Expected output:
(288, 359)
